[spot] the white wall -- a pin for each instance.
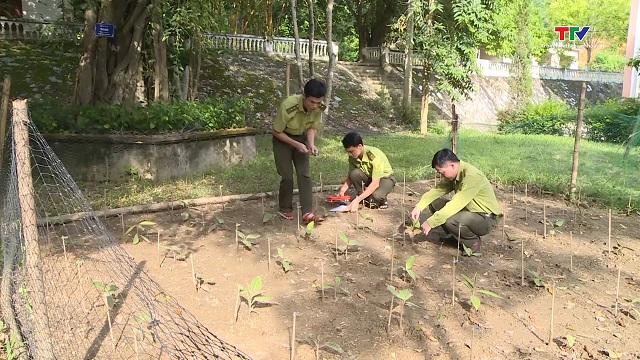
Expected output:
(42, 10)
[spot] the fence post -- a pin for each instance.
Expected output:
(4, 112)
(576, 144)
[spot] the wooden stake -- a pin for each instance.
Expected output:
(135, 342)
(122, 222)
(629, 206)
(392, 255)
(458, 253)
(337, 251)
(4, 112)
(106, 304)
(504, 221)
(159, 261)
(293, 337)
(237, 244)
(193, 272)
(322, 279)
(390, 312)
(576, 143)
(571, 249)
(609, 237)
(236, 309)
(221, 198)
(544, 218)
(269, 254)
(617, 291)
(522, 262)
(553, 303)
(453, 282)
(526, 202)
(298, 207)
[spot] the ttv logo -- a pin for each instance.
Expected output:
(574, 31)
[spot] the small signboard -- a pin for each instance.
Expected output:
(104, 30)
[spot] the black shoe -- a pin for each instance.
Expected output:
(373, 204)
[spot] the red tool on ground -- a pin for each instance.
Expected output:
(334, 198)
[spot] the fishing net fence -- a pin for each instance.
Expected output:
(69, 291)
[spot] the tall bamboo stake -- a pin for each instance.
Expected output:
(293, 337)
(553, 302)
(609, 237)
(571, 249)
(453, 282)
(522, 262)
(526, 202)
(544, 218)
(322, 279)
(618, 290)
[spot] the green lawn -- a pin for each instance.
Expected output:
(539, 161)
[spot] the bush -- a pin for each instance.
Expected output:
(611, 121)
(156, 117)
(548, 117)
(348, 48)
(608, 61)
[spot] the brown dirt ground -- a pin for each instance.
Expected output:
(515, 326)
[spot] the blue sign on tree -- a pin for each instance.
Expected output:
(104, 30)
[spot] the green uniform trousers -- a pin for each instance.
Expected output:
(358, 177)
(471, 225)
(286, 156)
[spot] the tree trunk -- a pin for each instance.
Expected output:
(161, 73)
(408, 66)
(114, 63)
(424, 109)
(332, 56)
(576, 143)
(385, 11)
(268, 14)
(312, 72)
(588, 57)
(297, 45)
(194, 65)
(362, 30)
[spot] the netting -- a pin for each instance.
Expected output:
(68, 288)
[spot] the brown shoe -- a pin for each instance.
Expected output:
(309, 217)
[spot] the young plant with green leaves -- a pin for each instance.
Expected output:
(108, 291)
(253, 294)
(308, 230)
(144, 322)
(403, 295)
(632, 305)
(537, 278)
(471, 285)
(318, 345)
(140, 231)
(203, 282)
(10, 346)
(555, 225)
(469, 251)
(284, 263)
(336, 286)
(407, 269)
(245, 239)
(347, 242)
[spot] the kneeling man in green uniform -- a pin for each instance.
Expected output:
(370, 167)
(473, 208)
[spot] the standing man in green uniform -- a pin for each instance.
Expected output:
(294, 130)
(473, 208)
(370, 167)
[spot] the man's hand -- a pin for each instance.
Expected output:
(302, 148)
(313, 150)
(353, 206)
(426, 228)
(415, 214)
(343, 189)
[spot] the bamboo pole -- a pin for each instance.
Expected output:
(4, 112)
(576, 144)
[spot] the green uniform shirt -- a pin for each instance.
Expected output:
(292, 119)
(473, 193)
(374, 163)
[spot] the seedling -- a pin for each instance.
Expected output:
(328, 346)
(202, 282)
(407, 269)
(218, 222)
(108, 292)
(631, 306)
(11, 346)
(403, 295)
(366, 216)
(469, 251)
(284, 262)
(252, 293)
(414, 228)
(245, 239)
(554, 225)
(570, 340)
(308, 230)
(336, 287)
(537, 279)
(471, 285)
(145, 323)
(139, 227)
(347, 242)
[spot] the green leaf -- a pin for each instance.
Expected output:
(490, 293)
(280, 253)
(110, 301)
(144, 238)
(111, 288)
(267, 217)
(246, 243)
(393, 290)
(354, 243)
(286, 266)
(219, 219)
(412, 274)
(147, 223)
(475, 301)
(467, 281)
(241, 234)
(570, 340)
(405, 294)
(98, 285)
(559, 223)
(332, 347)
(131, 228)
(261, 297)
(135, 239)
(256, 284)
(635, 300)
(343, 237)
(337, 280)
(253, 236)
(409, 262)
(309, 228)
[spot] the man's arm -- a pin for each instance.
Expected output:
(375, 183)
(470, 188)
(440, 190)
(311, 137)
(277, 129)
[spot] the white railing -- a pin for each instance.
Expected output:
(488, 68)
(37, 30)
(276, 45)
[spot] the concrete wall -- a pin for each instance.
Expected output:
(118, 158)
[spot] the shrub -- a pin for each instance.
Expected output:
(548, 117)
(608, 61)
(156, 117)
(612, 120)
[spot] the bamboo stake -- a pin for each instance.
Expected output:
(526, 202)
(298, 207)
(553, 302)
(629, 206)
(159, 260)
(293, 337)
(392, 255)
(113, 343)
(522, 262)
(571, 249)
(237, 244)
(609, 237)
(458, 252)
(453, 282)
(193, 272)
(122, 222)
(221, 198)
(322, 279)
(390, 312)
(135, 342)
(337, 250)
(269, 255)
(617, 291)
(236, 309)
(544, 218)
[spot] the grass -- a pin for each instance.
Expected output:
(542, 162)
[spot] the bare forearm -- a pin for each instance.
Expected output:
(311, 136)
(367, 192)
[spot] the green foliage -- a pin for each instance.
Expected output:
(608, 61)
(11, 346)
(252, 293)
(348, 48)
(245, 239)
(407, 269)
(108, 291)
(537, 278)
(284, 262)
(471, 285)
(139, 227)
(548, 117)
(156, 117)
(347, 242)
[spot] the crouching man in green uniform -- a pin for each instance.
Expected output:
(370, 167)
(294, 130)
(473, 208)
